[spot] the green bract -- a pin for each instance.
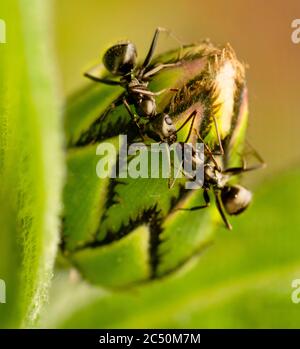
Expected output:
(31, 161)
(122, 232)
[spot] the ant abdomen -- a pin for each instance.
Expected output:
(147, 107)
(120, 59)
(235, 199)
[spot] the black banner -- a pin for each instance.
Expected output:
(134, 338)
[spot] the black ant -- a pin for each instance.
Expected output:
(230, 198)
(121, 60)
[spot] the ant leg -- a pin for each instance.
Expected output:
(154, 43)
(172, 181)
(118, 102)
(192, 124)
(257, 155)
(152, 47)
(153, 94)
(211, 154)
(157, 93)
(195, 208)
(159, 68)
(219, 136)
(133, 117)
(221, 210)
(240, 169)
(103, 81)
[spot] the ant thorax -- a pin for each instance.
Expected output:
(214, 177)
(144, 102)
(134, 82)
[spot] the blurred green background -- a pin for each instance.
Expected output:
(260, 33)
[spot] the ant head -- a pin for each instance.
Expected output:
(168, 129)
(120, 59)
(235, 199)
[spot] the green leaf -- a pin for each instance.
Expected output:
(130, 206)
(185, 233)
(127, 257)
(86, 194)
(86, 106)
(243, 281)
(31, 161)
